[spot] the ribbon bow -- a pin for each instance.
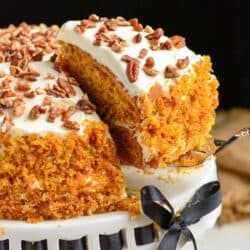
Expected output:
(158, 208)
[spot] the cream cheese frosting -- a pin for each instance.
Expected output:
(106, 56)
(23, 124)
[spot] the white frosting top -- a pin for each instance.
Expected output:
(23, 124)
(106, 56)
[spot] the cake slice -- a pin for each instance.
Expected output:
(57, 159)
(157, 96)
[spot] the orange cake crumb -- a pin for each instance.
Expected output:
(54, 177)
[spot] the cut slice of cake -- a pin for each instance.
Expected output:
(57, 159)
(158, 97)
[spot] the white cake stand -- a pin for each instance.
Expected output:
(94, 232)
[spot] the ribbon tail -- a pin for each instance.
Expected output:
(170, 239)
(189, 235)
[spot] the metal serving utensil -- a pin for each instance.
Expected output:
(221, 145)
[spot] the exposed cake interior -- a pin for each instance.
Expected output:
(158, 97)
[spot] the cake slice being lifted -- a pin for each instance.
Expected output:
(158, 97)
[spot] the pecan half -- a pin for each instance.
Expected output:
(132, 71)
(182, 63)
(178, 41)
(111, 24)
(171, 72)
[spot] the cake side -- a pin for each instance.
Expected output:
(57, 158)
(172, 93)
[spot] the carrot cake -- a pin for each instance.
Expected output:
(157, 96)
(57, 159)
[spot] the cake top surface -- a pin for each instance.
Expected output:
(40, 100)
(139, 57)
(35, 97)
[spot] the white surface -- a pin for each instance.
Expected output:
(234, 236)
(177, 186)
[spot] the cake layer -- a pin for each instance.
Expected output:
(157, 96)
(57, 159)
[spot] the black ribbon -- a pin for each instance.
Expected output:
(158, 208)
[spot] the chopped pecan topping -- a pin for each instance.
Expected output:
(116, 47)
(148, 29)
(150, 62)
(23, 43)
(94, 18)
(35, 112)
(171, 72)
(86, 106)
(6, 83)
(68, 113)
(150, 71)
(5, 93)
(30, 94)
(47, 101)
(88, 23)
(29, 75)
(15, 71)
(40, 91)
(178, 41)
(71, 125)
(23, 86)
(137, 38)
(127, 58)
(65, 85)
(54, 112)
(80, 28)
(18, 107)
(111, 24)
(182, 63)
(136, 25)
(1, 109)
(167, 45)
(7, 102)
(6, 124)
(143, 53)
(156, 35)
